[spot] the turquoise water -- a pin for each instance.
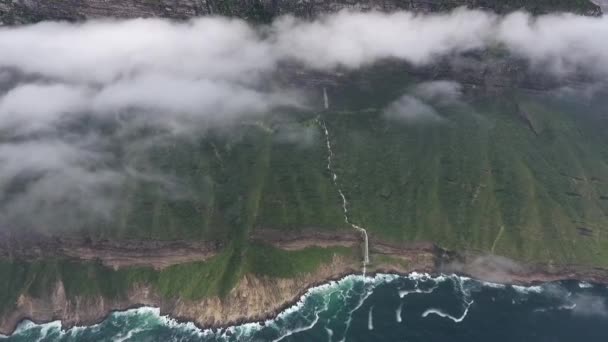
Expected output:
(383, 308)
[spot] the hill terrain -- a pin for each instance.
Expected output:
(448, 168)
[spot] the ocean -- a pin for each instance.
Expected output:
(417, 307)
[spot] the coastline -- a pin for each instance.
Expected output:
(218, 314)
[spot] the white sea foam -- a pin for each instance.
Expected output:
(493, 285)
(527, 289)
(561, 307)
(446, 315)
(403, 293)
(46, 328)
(128, 335)
(300, 329)
(585, 285)
(398, 317)
(567, 307)
(346, 286)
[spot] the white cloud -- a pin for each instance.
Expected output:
(564, 43)
(103, 51)
(208, 71)
(442, 92)
(411, 110)
(356, 39)
(589, 305)
(35, 106)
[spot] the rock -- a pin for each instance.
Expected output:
(28, 11)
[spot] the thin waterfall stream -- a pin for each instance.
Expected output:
(334, 177)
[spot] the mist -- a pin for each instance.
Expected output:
(184, 78)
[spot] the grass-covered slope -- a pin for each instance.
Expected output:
(514, 173)
(521, 175)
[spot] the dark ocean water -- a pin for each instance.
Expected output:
(383, 308)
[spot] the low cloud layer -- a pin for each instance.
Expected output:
(188, 76)
(418, 106)
(411, 110)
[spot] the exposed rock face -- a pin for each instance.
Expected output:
(603, 4)
(24, 11)
(111, 253)
(254, 298)
(257, 298)
(73, 311)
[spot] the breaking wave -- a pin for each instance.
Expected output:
(338, 310)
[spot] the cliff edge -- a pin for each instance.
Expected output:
(14, 12)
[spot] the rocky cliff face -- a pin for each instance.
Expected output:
(26, 11)
(254, 298)
(257, 298)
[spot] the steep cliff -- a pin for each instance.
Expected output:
(26, 11)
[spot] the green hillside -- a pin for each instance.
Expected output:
(514, 173)
(519, 174)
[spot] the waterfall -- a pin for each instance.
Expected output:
(334, 177)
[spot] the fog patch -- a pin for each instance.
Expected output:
(353, 40)
(297, 134)
(491, 268)
(411, 110)
(54, 184)
(441, 92)
(34, 107)
(563, 43)
(589, 305)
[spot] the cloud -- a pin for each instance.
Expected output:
(294, 133)
(32, 107)
(55, 184)
(589, 305)
(562, 43)
(488, 267)
(182, 78)
(103, 51)
(441, 92)
(409, 109)
(357, 39)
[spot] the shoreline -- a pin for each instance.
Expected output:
(592, 275)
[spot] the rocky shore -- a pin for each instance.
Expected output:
(27, 11)
(257, 298)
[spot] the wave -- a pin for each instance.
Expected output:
(493, 285)
(527, 289)
(585, 285)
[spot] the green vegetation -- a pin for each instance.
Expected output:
(269, 261)
(528, 163)
(188, 281)
(524, 175)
